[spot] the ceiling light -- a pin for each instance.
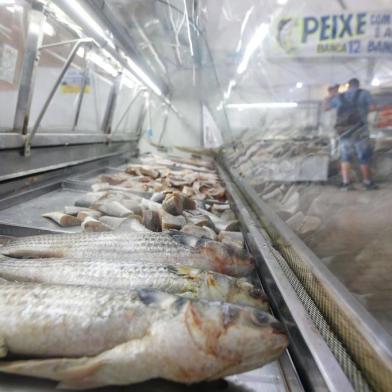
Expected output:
(256, 40)
(261, 105)
(102, 63)
(48, 29)
(375, 82)
(299, 85)
(143, 77)
(79, 10)
(188, 28)
(281, 2)
(243, 25)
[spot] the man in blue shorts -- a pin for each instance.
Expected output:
(352, 126)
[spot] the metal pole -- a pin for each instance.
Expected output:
(127, 110)
(29, 138)
(83, 87)
(111, 105)
(164, 125)
(34, 38)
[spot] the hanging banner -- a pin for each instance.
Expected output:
(353, 34)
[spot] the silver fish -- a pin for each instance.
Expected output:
(169, 248)
(96, 337)
(175, 279)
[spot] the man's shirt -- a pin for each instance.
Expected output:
(364, 101)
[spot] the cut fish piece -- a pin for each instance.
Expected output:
(169, 221)
(90, 225)
(113, 208)
(152, 220)
(62, 219)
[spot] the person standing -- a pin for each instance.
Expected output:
(353, 132)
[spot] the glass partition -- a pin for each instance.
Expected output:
(13, 27)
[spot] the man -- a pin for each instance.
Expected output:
(352, 127)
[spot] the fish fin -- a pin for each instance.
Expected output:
(54, 369)
(183, 270)
(122, 364)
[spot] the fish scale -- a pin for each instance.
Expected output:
(73, 310)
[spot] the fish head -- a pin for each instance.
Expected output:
(227, 259)
(244, 292)
(238, 338)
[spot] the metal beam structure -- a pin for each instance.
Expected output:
(71, 56)
(111, 105)
(36, 20)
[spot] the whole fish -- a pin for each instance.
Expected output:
(171, 247)
(95, 336)
(175, 279)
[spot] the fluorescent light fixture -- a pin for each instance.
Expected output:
(256, 40)
(129, 80)
(188, 28)
(376, 82)
(299, 85)
(102, 63)
(243, 25)
(80, 52)
(262, 105)
(79, 10)
(227, 94)
(48, 29)
(281, 2)
(143, 77)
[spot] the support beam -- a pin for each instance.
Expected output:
(71, 56)
(111, 105)
(36, 20)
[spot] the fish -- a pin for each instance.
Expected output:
(175, 279)
(171, 247)
(62, 219)
(88, 337)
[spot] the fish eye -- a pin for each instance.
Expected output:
(256, 292)
(260, 318)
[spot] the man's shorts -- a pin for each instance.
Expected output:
(361, 146)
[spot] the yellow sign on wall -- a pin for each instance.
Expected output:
(73, 81)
